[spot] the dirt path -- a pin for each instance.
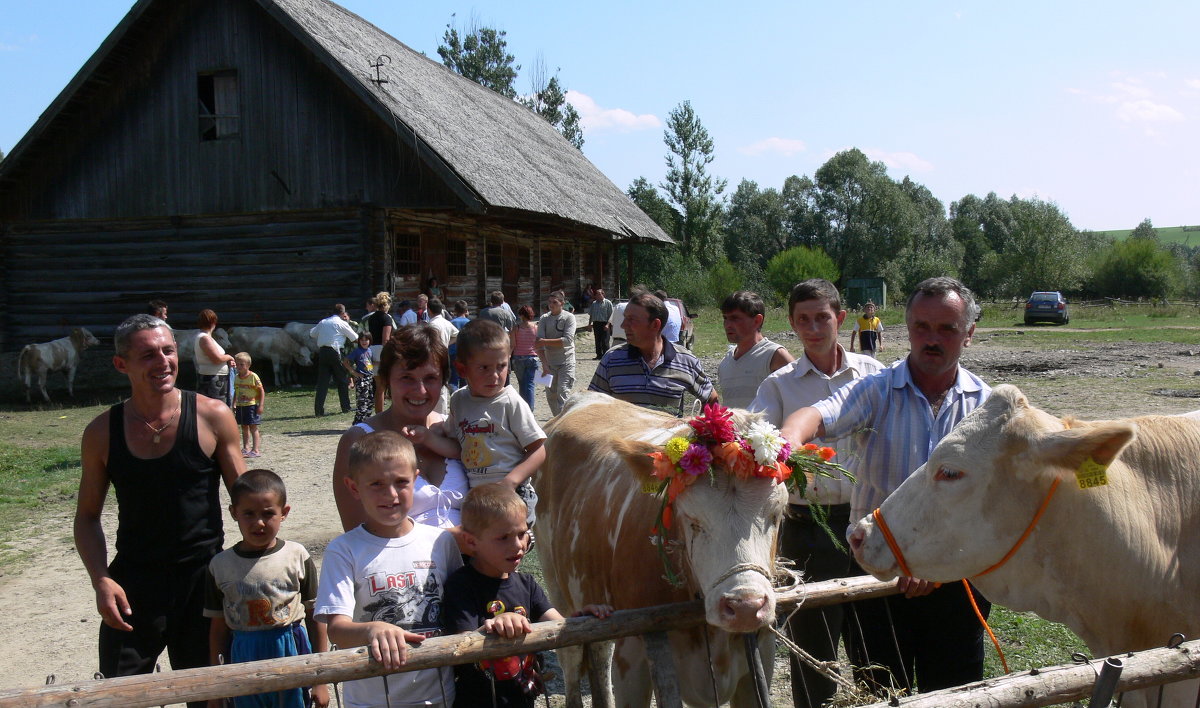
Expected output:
(52, 623)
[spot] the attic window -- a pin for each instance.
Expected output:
(218, 94)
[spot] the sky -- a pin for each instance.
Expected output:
(1094, 105)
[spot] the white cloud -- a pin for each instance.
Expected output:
(1132, 88)
(901, 161)
(1147, 112)
(1192, 83)
(593, 117)
(781, 146)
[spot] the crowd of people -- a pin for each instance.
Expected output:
(425, 553)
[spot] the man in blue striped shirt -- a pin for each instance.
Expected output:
(896, 417)
(649, 370)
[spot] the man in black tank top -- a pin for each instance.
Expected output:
(165, 452)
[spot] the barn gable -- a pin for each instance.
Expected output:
(236, 154)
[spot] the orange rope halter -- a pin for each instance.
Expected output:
(895, 548)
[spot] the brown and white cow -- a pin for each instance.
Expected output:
(1118, 563)
(594, 528)
(272, 343)
(58, 355)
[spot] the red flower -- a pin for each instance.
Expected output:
(715, 424)
(827, 453)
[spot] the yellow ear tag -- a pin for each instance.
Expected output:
(1091, 474)
(650, 485)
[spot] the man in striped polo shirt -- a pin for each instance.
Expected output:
(648, 370)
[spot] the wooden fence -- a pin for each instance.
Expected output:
(1038, 688)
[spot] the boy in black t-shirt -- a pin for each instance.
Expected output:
(489, 595)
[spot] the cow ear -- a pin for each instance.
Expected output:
(1101, 442)
(636, 454)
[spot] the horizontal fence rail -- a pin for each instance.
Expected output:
(1063, 683)
(348, 664)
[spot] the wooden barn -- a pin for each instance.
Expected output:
(267, 158)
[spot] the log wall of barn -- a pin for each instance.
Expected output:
(303, 141)
(264, 269)
(526, 266)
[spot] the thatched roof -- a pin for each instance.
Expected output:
(499, 156)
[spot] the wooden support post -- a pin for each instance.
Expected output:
(662, 670)
(348, 664)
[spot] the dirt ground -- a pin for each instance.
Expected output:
(52, 623)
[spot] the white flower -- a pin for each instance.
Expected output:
(766, 441)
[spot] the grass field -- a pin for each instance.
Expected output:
(1169, 234)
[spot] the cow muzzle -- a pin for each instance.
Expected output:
(747, 606)
(871, 552)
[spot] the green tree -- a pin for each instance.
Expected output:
(1137, 268)
(650, 262)
(1145, 230)
(481, 55)
(800, 263)
(690, 189)
(1045, 253)
(548, 99)
(930, 249)
(866, 218)
(756, 225)
(805, 225)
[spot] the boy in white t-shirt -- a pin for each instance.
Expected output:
(381, 583)
(490, 427)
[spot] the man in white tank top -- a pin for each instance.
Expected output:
(751, 356)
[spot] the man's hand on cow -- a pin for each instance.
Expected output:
(507, 625)
(601, 611)
(113, 605)
(915, 587)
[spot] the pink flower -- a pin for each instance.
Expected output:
(715, 424)
(785, 452)
(696, 460)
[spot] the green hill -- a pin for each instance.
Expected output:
(1187, 235)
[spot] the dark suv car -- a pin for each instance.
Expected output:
(1046, 307)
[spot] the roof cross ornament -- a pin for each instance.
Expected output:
(379, 64)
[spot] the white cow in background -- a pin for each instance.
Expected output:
(301, 333)
(185, 342)
(270, 343)
(57, 355)
(594, 525)
(1118, 563)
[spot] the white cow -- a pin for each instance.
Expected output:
(1118, 563)
(594, 522)
(185, 342)
(302, 333)
(57, 355)
(271, 343)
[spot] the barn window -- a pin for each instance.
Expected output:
(408, 252)
(495, 265)
(523, 268)
(547, 263)
(456, 257)
(218, 94)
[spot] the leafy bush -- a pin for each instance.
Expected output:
(789, 267)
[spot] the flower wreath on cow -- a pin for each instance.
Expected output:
(715, 442)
